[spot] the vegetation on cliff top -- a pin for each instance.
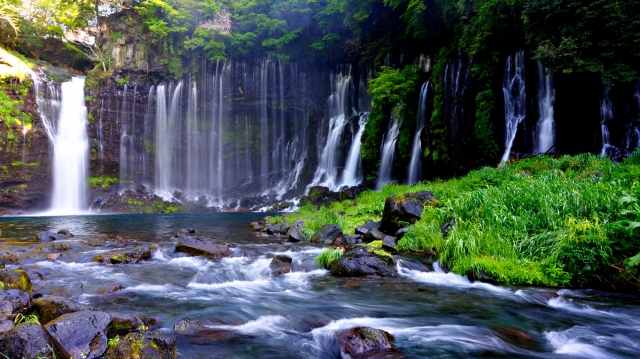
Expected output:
(568, 221)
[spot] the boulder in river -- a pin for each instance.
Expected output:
(359, 262)
(327, 234)
(373, 235)
(518, 337)
(13, 301)
(406, 208)
(143, 345)
(296, 235)
(6, 325)
(31, 341)
(280, 264)
(365, 342)
(123, 324)
(257, 226)
(50, 308)
(134, 255)
(185, 232)
(50, 236)
(389, 243)
(65, 232)
(16, 279)
(81, 334)
(347, 241)
(201, 247)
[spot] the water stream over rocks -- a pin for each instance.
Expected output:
(245, 311)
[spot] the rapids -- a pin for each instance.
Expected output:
(248, 313)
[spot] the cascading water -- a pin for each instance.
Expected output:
(513, 88)
(415, 166)
(327, 171)
(352, 174)
(606, 114)
(388, 147)
(70, 150)
(546, 127)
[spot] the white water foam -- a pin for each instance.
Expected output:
(578, 342)
(264, 324)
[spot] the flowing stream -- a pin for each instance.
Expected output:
(250, 313)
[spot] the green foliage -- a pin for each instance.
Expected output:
(541, 220)
(325, 258)
(483, 128)
(390, 89)
(21, 318)
(114, 341)
(104, 182)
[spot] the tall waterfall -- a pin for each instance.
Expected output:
(546, 127)
(352, 174)
(388, 148)
(606, 113)
(415, 166)
(70, 150)
(327, 172)
(513, 87)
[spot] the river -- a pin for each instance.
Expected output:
(249, 313)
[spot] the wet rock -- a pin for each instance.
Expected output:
(266, 219)
(53, 256)
(281, 264)
(372, 225)
(81, 333)
(447, 226)
(318, 190)
(373, 235)
(187, 326)
(406, 208)
(251, 253)
(359, 262)
(50, 308)
(517, 337)
(479, 276)
(327, 234)
(30, 341)
(389, 243)
(16, 279)
(6, 325)
(401, 232)
(351, 192)
(185, 232)
(147, 345)
(364, 342)
(65, 232)
(12, 302)
(257, 226)
(296, 235)
(124, 257)
(50, 236)
(361, 230)
(274, 229)
(297, 224)
(123, 324)
(347, 241)
(110, 289)
(201, 247)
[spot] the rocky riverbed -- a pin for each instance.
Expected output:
(207, 285)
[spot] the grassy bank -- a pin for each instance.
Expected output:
(569, 221)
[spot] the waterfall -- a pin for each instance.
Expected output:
(513, 87)
(546, 127)
(606, 114)
(164, 141)
(327, 172)
(415, 166)
(352, 174)
(70, 150)
(388, 149)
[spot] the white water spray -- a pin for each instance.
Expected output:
(515, 98)
(546, 128)
(415, 166)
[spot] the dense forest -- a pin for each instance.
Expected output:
(582, 42)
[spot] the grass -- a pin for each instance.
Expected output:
(543, 220)
(325, 258)
(104, 182)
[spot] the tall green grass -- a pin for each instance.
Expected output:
(542, 220)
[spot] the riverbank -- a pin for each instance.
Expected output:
(568, 221)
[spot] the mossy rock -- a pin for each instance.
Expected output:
(16, 279)
(143, 345)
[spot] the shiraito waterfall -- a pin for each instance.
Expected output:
(333, 171)
(515, 98)
(606, 114)
(68, 137)
(545, 134)
(388, 147)
(415, 166)
(203, 137)
(352, 174)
